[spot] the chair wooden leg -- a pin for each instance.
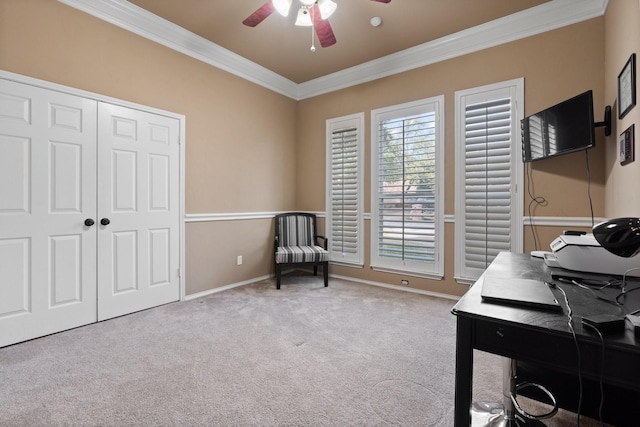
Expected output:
(278, 272)
(315, 270)
(325, 271)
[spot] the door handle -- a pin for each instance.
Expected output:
(105, 221)
(89, 222)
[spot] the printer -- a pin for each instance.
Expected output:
(583, 253)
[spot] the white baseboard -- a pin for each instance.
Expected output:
(335, 276)
(397, 288)
(226, 287)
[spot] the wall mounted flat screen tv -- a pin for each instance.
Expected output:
(563, 128)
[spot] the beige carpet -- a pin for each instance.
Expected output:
(346, 355)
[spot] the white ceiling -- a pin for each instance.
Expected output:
(276, 53)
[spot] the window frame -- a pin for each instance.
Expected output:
(340, 123)
(515, 90)
(435, 269)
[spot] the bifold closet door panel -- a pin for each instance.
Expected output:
(89, 211)
(138, 210)
(47, 192)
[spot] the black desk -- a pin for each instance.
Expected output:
(542, 339)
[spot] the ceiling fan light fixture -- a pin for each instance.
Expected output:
(327, 7)
(282, 6)
(304, 17)
(311, 13)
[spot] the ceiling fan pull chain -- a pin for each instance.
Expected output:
(313, 46)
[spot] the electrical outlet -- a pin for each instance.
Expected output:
(239, 259)
(404, 282)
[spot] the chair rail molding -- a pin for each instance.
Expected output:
(543, 221)
(560, 221)
(239, 216)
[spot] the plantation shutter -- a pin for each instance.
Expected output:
(406, 188)
(488, 181)
(344, 199)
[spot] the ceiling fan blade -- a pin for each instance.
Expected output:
(323, 28)
(259, 15)
(382, 1)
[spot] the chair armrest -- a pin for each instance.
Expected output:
(326, 241)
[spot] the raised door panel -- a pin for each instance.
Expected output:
(138, 250)
(47, 190)
(124, 246)
(15, 175)
(14, 265)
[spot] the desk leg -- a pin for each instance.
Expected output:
(464, 373)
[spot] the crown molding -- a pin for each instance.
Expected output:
(545, 17)
(145, 24)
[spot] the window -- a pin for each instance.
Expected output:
(344, 189)
(488, 176)
(406, 184)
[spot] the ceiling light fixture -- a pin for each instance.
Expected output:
(311, 13)
(304, 17)
(326, 8)
(282, 6)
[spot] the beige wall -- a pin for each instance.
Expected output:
(556, 65)
(240, 141)
(622, 35)
(247, 146)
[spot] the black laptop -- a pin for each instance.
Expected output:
(519, 292)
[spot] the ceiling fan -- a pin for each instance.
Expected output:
(312, 13)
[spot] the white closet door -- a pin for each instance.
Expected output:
(47, 191)
(138, 194)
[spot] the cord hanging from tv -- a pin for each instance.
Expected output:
(562, 128)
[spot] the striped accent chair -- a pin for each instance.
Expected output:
(297, 243)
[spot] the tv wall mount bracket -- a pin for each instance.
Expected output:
(607, 121)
